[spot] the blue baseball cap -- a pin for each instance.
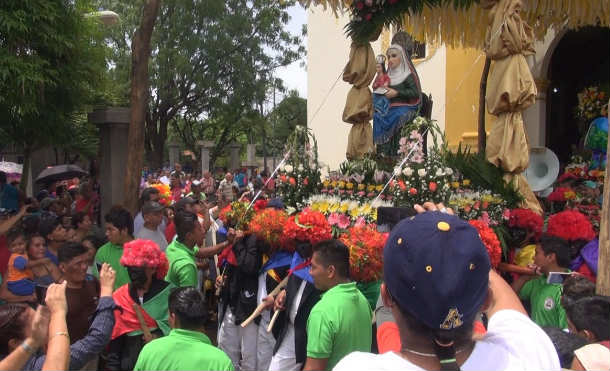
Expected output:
(437, 269)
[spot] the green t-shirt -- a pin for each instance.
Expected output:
(545, 300)
(111, 254)
(182, 268)
(183, 350)
(340, 323)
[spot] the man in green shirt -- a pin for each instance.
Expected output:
(119, 230)
(340, 323)
(186, 347)
(552, 255)
(183, 252)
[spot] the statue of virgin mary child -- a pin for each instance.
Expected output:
(404, 94)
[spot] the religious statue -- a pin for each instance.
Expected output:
(380, 86)
(404, 96)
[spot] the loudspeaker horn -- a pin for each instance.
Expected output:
(543, 168)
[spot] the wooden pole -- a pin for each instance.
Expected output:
(261, 306)
(481, 132)
(147, 334)
(602, 286)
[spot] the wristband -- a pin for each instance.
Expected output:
(60, 333)
(27, 348)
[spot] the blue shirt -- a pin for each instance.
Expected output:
(52, 257)
(10, 197)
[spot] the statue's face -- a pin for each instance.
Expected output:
(378, 68)
(393, 58)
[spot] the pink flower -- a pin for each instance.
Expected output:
(340, 220)
(361, 193)
(506, 214)
(360, 222)
(359, 5)
(485, 218)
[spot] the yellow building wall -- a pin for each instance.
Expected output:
(463, 80)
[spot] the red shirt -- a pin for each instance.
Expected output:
(170, 232)
(4, 255)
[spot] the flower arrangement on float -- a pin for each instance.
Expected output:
(346, 212)
(481, 205)
(308, 225)
(236, 214)
(165, 196)
(268, 225)
(365, 252)
(490, 240)
(417, 183)
(592, 103)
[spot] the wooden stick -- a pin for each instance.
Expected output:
(223, 282)
(272, 322)
(147, 335)
(261, 306)
(513, 268)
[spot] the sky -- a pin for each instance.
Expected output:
(295, 76)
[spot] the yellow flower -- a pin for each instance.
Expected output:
(349, 185)
(361, 187)
(466, 182)
(341, 184)
(326, 183)
(333, 183)
(355, 212)
(323, 207)
(379, 188)
(343, 207)
(366, 209)
(455, 184)
(370, 188)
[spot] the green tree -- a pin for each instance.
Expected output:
(210, 59)
(51, 62)
(291, 111)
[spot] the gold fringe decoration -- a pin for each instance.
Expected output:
(464, 28)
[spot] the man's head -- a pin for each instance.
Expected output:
(196, 187)
(149, 194)
(185, 204)
(229, 177)
(187, 309)
(565, 344)
(119, 225)
(73, 262)
(52, 230)
(576, 287)
(436, 273)
(188, 228)
(551, 252)
(329, 264)
(152, 212)
(144, 260)
(177, 167)
(589, 317)
(81, 220)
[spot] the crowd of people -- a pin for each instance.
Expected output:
(137, 292)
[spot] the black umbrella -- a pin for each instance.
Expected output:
(59, 172)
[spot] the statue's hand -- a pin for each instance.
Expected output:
(391, 93)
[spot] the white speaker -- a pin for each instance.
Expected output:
(543, 168)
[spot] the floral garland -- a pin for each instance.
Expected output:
(571, 226)
(268, 225)
(490, 240)
(345, 213)
(365, 253)
(307, 226)
(526, 219)
(165, 196)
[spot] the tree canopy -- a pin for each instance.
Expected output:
(211, 62)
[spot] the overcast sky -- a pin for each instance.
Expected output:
(295, 76)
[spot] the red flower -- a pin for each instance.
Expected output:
(413, 191)
(432, 186)
(526, 219)
(292, 181)
(308, 225)
(368, 16)
(365, 252)
(402, 185)
(260, 205)
(490, 240)
(477, 205)
(283, 178)
(268, 225)
(570, 225)
(360, 5)
(306, 181)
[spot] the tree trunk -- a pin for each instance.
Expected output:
(602, 286)
(158, 135)
(25, 171)
(482, 133)
(140, 54)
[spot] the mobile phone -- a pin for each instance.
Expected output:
(557, 277)
(41, 293)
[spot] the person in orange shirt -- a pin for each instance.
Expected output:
(19, 277)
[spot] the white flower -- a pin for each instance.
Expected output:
(449, 171)
(421, 172)
(439, 172)
(288, 168)
(397, 171)
(301, 168)
(282, 168)
(407, 171)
